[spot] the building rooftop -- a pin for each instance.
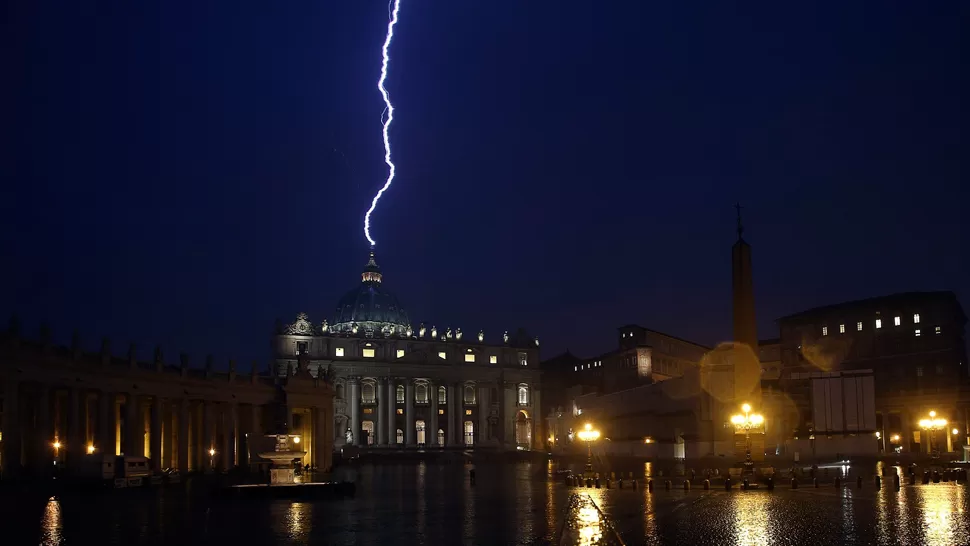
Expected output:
(901, 298)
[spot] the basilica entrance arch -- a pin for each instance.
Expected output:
(523, 430)
(419, 428)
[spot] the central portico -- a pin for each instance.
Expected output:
(416, 387)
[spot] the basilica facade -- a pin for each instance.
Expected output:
(399, 385)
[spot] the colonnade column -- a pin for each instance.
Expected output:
(207, 435)
(433, 422)
(134, 428)
(155, 434)
(391, 412)
(484, 408)
(45, 435)
(183, 436)
(354, 402)
(75, 441)
(453, 405)
(107, 418)
(11, 428)
(409, 412)
(227, 456)
(381, 415)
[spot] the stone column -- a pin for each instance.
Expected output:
(134, 427)
(432, 440)
(168, 434)
(11, 428)
(481, 429)
(76, 446)
(234, 429)
(183, 437)
(107, 423)
(43, 434)
(354, 403)
(391, 412)
(227, 457)
(409, 412)
(155, 434)
(453, 431)
(380, 425)
(208, 438)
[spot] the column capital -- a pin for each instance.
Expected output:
(353, 380)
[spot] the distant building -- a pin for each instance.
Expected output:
(400, 385)
(914, 344)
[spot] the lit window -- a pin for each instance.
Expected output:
(468, 412)
(400, 353)
(441, 412)
(367, 393)
(400, 411)
(368, 410)
(339, 351)
(937, 330)
(878, 323)
(897, 321)
(442, 395)
(367, 353)
(915, 318)
(841, 328)
(399, 394)
(469, 394)
(919, 371)
(917, 332)
(442, 355)
(421, 393)
(575, 368)
(492, 359)
(825, 330)
(523, 395)
(469, 357)
(858, 326)
(523, 359)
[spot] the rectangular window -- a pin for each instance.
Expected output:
(858, 326)
(492, 359)
(442, 355)
(400, 353)
(878, 323)
(919, 371)
(367, 353)
(468, 412)
(400, 411)
(441, 412)
(897, 321)
(575, 368)
(339, 351)
(368, 410)
(841, 328)
(917, 332)
(302, 348)
(915, 318)
(937, 329)
(469, 357)
(825, 330)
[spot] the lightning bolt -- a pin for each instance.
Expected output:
(393, 8)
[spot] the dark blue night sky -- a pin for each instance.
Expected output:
(184, 173)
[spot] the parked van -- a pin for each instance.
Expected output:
(122, 471)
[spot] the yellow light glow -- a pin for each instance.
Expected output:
(895, 437)
(648, 440)
(57, 445)
(589, 426)
(90, 449)
(746, 408)
(737, 419)
(932, 414)
(757, 419)
(296, 439)
(956, 431)
(212, 452)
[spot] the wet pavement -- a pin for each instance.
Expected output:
(418, 503)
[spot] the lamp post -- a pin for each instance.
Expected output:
(589, 435)
(932, 425)
(747, 423)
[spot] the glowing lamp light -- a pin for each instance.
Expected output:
(296, 439)
(56, 444)
(956, 431)
(746, 408)
(212, 452)
(90, 449)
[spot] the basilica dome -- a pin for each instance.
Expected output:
(370, 307)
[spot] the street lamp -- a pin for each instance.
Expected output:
(589, 435)
(747, 423)
(932, 425)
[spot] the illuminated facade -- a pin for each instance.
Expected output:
(59, 405)
(403, 386)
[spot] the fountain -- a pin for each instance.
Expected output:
(281, 458)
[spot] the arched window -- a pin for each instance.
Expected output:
(442, 395)
(469, 433)
(523, 395)
(340, 391)
(421, 393)
(469, 394)
(400, 436)
(523, 430)
(367, 392)
(420, 429)
(400, 394)
(441, 437)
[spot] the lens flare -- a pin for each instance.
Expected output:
(386, 117)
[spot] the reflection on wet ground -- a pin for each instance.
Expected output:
(509, 504)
